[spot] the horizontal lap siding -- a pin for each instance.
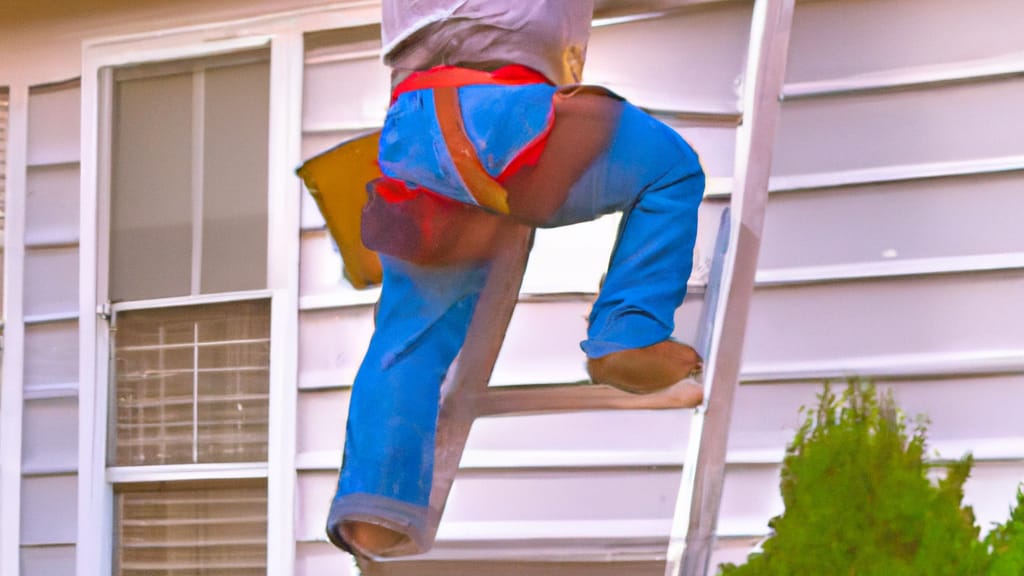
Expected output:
(577, 486)
(585, 483)
(50, 378)
(907, 324)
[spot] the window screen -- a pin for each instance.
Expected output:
(189, 177)
(178, 529)
(191, 384)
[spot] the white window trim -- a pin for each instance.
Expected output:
(12, 391)
(283, 32)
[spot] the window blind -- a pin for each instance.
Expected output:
(195, 530)
(192, 384)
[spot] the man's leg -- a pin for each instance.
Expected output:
(603, 156)
(385, 481)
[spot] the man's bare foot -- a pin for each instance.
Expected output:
(649, 369)
(371, 539)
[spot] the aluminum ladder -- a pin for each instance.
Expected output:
(466, 394)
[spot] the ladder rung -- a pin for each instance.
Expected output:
(583, 396)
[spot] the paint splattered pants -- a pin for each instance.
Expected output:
(647, 171)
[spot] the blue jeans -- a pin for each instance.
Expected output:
(648, 172)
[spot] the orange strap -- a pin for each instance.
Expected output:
(484, 188)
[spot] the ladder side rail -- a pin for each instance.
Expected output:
(711, 312)
(705, 461)
(469, 378)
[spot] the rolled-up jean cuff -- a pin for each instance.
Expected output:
(402, 517)
(624, 332)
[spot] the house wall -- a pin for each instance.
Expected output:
(891, 249)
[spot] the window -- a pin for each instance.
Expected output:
(189, 364)
(191, 387)
(189, 177)
(191, 384)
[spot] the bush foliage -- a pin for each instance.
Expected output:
(858, 501)
(1007, 543)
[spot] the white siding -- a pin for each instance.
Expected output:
(573, 487)
(50, 380)
(553, 487)
(913, 325)
(4, 107)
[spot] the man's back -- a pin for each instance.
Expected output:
(549, 36)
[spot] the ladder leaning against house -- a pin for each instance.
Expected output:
(466, 394)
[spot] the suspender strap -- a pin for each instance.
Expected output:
(484, 188)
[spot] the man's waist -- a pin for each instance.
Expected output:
(457, 76)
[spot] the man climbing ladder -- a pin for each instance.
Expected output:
(489, 129)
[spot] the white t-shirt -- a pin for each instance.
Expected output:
(549, 36)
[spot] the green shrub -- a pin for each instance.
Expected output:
(1006, 543)
(858, 500)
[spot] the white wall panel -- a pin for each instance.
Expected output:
(591, 495)
(51, 354)
(332, 344)
(348, 93)
(886, 317)
(967, 411)
(750, 497)
(542, 344)
(321, 271)
(54, 125)
(992, 491)
(571, 258)
(732, 550)
(50, 436)
(314, 492)
(687, 317)
(51, 281)
(917, 219)
(686, 61)
(842, 38)
(714, 143)
(49, 505)
(319, 558)
(982, 417)
(625, 431)
(523, 564)
(314, 143)
(48, 561)
(51, 205)
(957, 122)
(321, 265)
(321, 421)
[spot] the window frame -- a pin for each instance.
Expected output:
(12, 393)
(283, 35)
(126, 474)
